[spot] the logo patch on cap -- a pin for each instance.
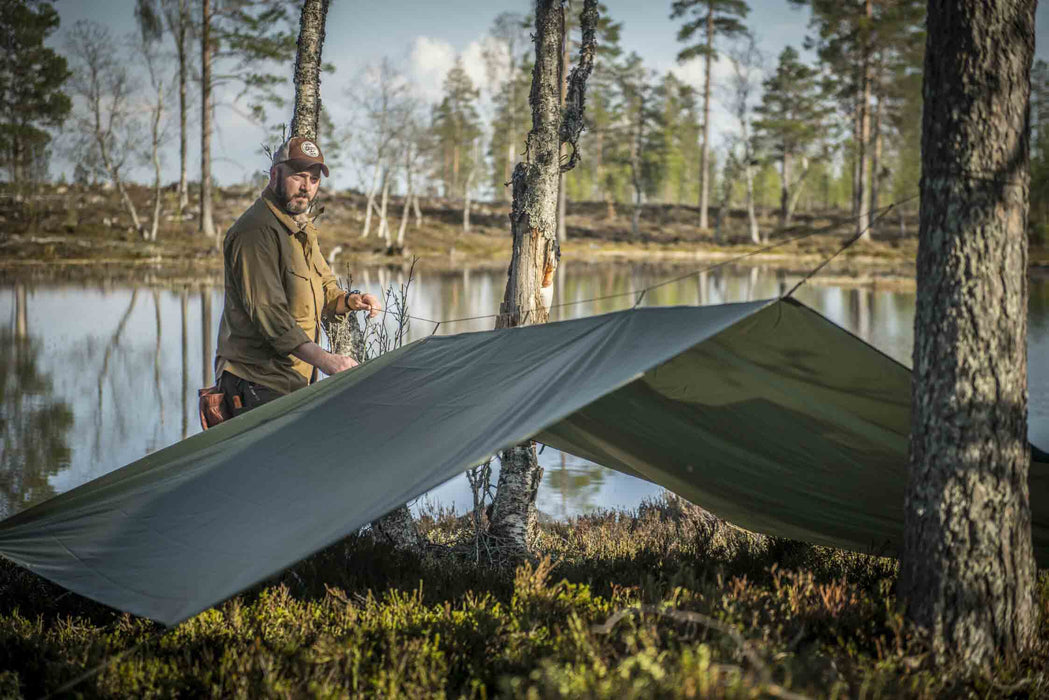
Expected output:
(309, 148)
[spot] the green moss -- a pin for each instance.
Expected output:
(363, 620)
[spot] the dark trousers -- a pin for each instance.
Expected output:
(251, 394)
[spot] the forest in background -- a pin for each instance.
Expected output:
(840, 133)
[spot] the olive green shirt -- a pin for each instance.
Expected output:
(278, 287)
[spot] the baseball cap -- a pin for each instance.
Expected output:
(300, 153)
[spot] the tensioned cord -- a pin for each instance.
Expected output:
(639, 294)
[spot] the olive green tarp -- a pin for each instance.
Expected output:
(765, 413)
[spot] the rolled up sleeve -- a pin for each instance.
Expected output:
(254, 266)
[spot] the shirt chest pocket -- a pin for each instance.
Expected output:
(300, 293)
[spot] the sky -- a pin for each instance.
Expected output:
(423, 38)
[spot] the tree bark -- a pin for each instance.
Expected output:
(406, 212)
(876, 156)
(784, 190)
(158, 115)
(533, 225)
(183, 131)
(863, 217)
(207, 221)
(306, 120)
(968, 570)
(384, 225)
(371, 200)
(704, 158)
(206, 353)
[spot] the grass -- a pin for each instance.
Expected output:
(718, 613)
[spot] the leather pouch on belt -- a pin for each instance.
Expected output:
(213, 409)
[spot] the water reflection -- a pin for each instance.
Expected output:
(93, 374)
(34, 423)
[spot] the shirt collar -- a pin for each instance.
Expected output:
(289, 223)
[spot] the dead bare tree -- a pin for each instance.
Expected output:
(157, 130)
(105, 116)
(385, 110)
(533, 224)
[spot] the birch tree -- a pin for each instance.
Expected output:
(533, 226)
(968, 571)
(306, 121)
(383, 111)
(746, 76)
(173, 16)
(105, 115)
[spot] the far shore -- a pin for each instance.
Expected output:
(81, 233)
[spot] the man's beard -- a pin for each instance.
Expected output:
(299, 204)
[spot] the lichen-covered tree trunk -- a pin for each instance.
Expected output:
(207, 221)
(308, 69)
(533, 225)
(968, 569)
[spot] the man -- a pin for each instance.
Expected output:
(278, 288)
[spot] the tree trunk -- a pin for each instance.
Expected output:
(704, 158)
(752, 218)
(371, 200)
(206, 371)
(307, 116)
(784, 190)
(384, 226)
(157, 116)
(406, 212)
(968, 571)
(876, 157)
(533, 224)
(183, 131)
(418, 211)
(863, 217)
(466, 202)
(207, 222)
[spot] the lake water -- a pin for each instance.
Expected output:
(96, 375)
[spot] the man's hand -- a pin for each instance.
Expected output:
(323, 360)
(363, 302)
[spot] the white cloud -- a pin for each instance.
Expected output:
(430, 61)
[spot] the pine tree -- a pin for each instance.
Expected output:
(31, 80)
(508, 135)
(707, 20)
(510, 101)
(455, 126)
(790, 124)
(967, 570)
(861, 42)
(638, 124)
(596, 177)
(249, 37)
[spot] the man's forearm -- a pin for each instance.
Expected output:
(323, 360)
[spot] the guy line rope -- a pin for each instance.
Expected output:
(640, 294)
